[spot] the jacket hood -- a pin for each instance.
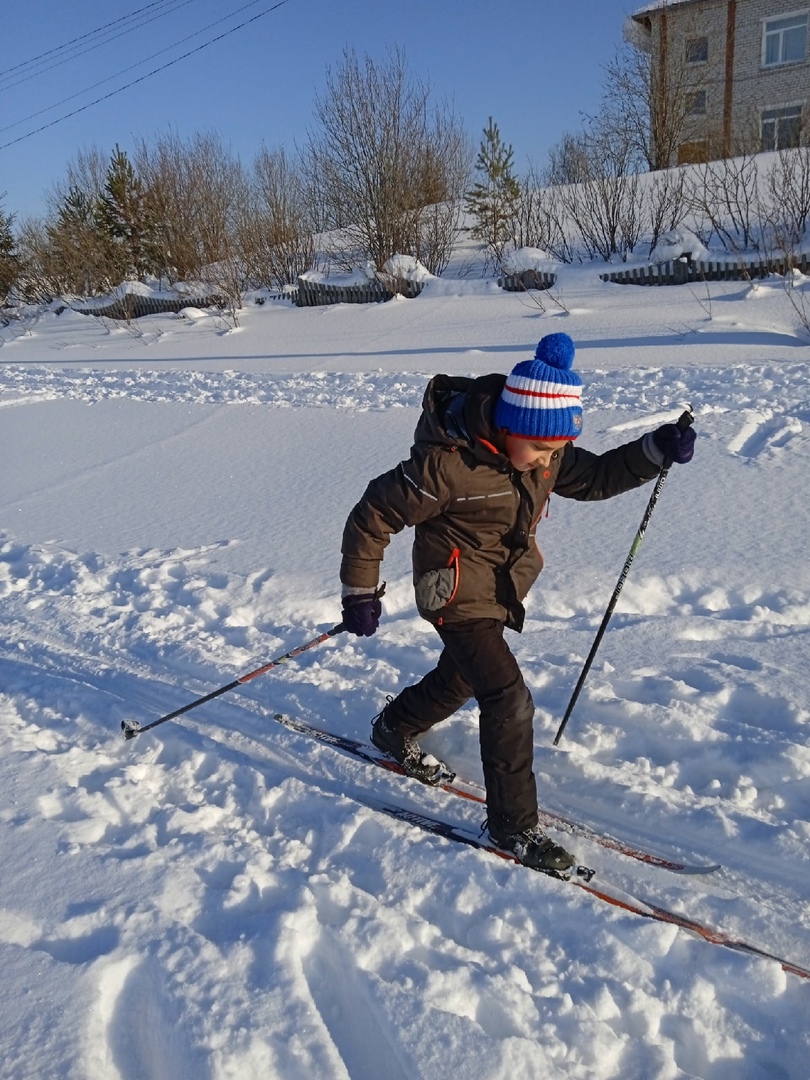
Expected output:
(458, 412)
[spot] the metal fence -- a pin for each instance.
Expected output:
(321, 293)
(527, 279)
(683, 272)
(133, 306)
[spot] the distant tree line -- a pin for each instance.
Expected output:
(384, 171)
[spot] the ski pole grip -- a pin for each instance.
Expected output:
(686, 419)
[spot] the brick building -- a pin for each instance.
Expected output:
(733, 75)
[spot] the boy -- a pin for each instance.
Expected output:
(487, 454)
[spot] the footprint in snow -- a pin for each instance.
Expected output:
(763, 433)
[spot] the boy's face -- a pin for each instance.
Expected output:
(528, 454)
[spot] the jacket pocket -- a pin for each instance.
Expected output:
(436, 588)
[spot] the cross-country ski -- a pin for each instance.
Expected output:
(583, 878)
(454, 785)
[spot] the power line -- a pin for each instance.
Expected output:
(142, 78)
(170, 6)
(81, 37)
(145, 60)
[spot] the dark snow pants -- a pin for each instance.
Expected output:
(477, 662)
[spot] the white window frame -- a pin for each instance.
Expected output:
(803, 13)
(788, 112)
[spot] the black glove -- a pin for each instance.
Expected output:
(361, 613)
(673, 444)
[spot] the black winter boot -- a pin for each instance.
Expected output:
(536, 850)
(405, 750)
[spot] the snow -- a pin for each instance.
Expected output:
(655, 5)
(359, 275)
(677, 243)
(527, 258)
(212, 900)
(408, 268)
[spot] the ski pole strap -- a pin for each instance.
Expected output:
(131, 728)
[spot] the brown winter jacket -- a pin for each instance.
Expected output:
(474, 552)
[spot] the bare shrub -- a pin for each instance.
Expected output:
(540, 220)
(726, 193)
(666, 202)
(196, 186)
(606, 205)
(788, 199)
(274, 225)
(379, 155)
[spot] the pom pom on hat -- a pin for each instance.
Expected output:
(542, 397)
(556, 350)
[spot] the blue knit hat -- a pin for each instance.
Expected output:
(542, 397)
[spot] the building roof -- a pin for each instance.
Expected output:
(657, 5)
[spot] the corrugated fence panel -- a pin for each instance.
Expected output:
(307, 294)
(322, 293)
(527, 279)
(135, 307)
(680, 272)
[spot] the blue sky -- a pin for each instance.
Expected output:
(534, 65)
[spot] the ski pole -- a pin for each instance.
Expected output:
(684, 421)
(131, 728)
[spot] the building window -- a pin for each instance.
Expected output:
(697, 50)
(784, 40)
(781, 128)
(696, 103)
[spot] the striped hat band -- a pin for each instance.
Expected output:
(528, 393)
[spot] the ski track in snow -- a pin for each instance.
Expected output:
(249, 912)
(737, 389)
(214, 913)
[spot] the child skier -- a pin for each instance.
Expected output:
(487, 454)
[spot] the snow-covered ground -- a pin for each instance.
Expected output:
(212, 899)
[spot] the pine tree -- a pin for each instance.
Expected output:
(9, 263)
(494, 198)
(125, 215)
(76, 211)
(80, 259)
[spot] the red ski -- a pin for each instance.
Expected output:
(453, 784)
(581, 877)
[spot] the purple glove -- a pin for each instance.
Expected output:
(673, 444)
(361, 613)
